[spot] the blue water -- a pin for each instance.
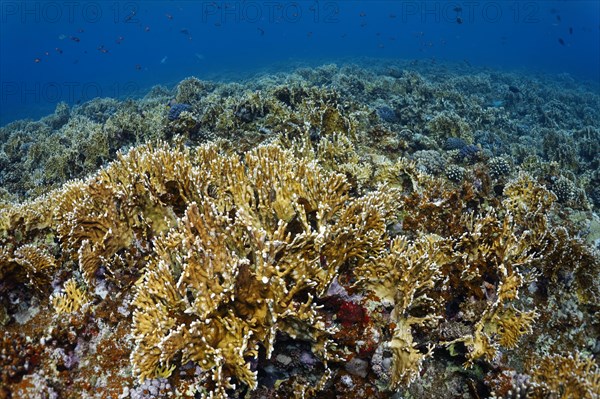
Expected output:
(73, 51)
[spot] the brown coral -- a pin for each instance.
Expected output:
(246, 261)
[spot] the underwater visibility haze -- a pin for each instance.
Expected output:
(299, 199)
(75, 51)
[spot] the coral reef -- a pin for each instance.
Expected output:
(397, 230)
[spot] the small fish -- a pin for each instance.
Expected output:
(561, 41)
(459, 20)
(75, 39)
(457, 9)
(261, 31)
(392, 16)
(59, 51)
(185, 31)
(80, 30)
(309, 34)
(164, 59)
(119, 39)
(169, 16)
(138, 67)
(46, 53)
(37, 60)
(362, 14)
(570, 30)
(147, 29)
(102, 49)
(62, 36)
(558, 18)
(130, 16)
(514, 89)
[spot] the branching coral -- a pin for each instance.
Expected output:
(72, 299)
(572, 376)
(403, 279)
(490, 263)
(29, 264)
(246, 261)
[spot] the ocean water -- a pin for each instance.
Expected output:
(74, 51)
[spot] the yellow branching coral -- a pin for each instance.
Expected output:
(406, 358)
(28, 263)
(37, 263)
(512, 324)
(92, 223)
(404, 174)
(489, 257)
(72, 299)
(528, 201)
(267, 234)
(500, 324)
(403, 278)
(566, 377)
(338, 153)
(34, 215)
